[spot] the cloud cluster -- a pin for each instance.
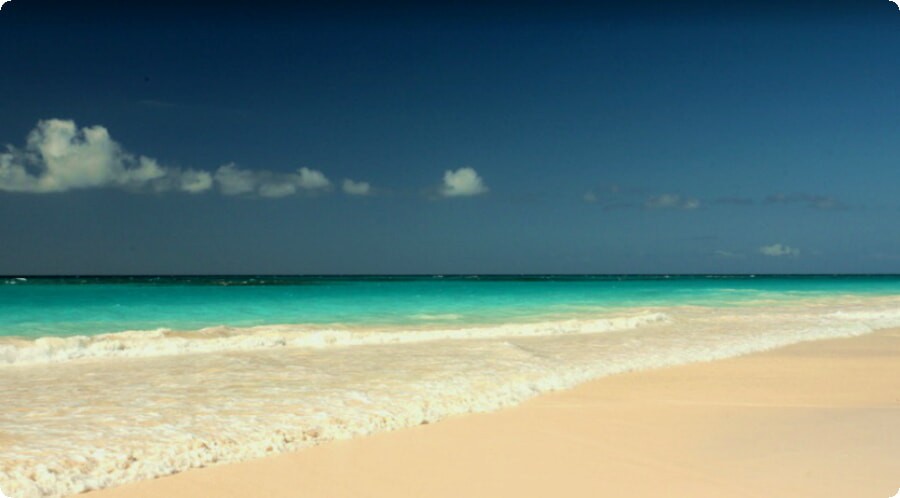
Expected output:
(232, 180)
(779, 250)
(58, 156)
(463, 182)
(672, 201)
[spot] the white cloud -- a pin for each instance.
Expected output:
(311, 179)
(274, 190)
(235, 181)
(351, 187)
(671, 201)
(897, 2)
(462, 182)
(58, 156)
(777, 250)
(194, 181)
(146, 171)
(2, 3)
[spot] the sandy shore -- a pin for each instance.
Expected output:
(812, 420)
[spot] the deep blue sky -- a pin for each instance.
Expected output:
(697, 137)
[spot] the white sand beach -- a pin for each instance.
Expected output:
(815, 419)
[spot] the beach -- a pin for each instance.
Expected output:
(108, 382)
(450, 249)
(819, 419)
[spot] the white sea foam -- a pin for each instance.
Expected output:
(164, 342)
(85, 425)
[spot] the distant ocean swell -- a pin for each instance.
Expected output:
(79, 425)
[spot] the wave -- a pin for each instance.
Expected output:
(165, 342)
(879, 318)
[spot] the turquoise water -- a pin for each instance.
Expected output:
(48, 306)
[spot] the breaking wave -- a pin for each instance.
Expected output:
(164, 342)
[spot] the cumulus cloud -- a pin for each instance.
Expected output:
(58, 156)
(233, 180)
(184, 180)
(195, 181)
(2, 3)
(463, 182)
(778, 250)
(351, 187)
(311, 179)
(275, 190)
(896, 2)
(671, 201)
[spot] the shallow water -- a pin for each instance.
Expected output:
(35, 307)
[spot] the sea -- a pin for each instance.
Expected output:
(108, 380)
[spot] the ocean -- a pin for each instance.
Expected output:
(106, 380)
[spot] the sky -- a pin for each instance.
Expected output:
(490, 137)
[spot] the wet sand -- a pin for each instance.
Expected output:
(819, 419)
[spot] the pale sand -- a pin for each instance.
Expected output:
(813, 420)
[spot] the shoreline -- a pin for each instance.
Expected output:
(812, 419)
